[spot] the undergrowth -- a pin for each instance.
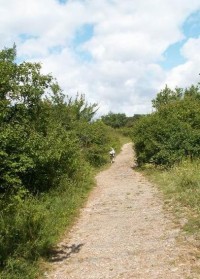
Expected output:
(37, 225)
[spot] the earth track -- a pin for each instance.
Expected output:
(123, 232)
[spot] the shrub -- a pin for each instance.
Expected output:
(96, 140)
(47, 148)
(170, 134)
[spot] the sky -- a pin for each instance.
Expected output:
(118, 53)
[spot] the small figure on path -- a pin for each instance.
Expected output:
(112, 155)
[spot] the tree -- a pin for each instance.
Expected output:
(35, 150)
(166, 96)
(192, 92)
(115, 120)
(172, 133)
(41, 131)
(131, 120)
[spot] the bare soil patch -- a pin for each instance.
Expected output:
(123, 232)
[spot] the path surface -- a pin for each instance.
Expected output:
(122, 233)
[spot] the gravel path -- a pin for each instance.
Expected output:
(122, 233)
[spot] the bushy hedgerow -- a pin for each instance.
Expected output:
(170, 134)
(96, 139)
(48, 147)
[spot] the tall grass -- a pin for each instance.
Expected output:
(31, 228)
(181, 188)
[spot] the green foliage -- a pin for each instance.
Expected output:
(37, 141)
(115, 120)
(72, 111)
(122, 123)
(96, 140)
(48, 146)
(170, 134)
(23, 90)
(22, 229)
(126, 131)
(192, 92)
(131, 120)
(30, 226)
(18, 268)
(167, 96)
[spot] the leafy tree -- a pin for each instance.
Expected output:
(170, 134)
(35, 150)
(48, 144)
(41, 130)
(166, 96)
(115, 120)
(96, 140)
(192, 92)
(73, 111)
(131, 120)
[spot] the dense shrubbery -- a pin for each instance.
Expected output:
(48, 145)
(115, 120)
(172, 132)
(120, 122)
(93, 136)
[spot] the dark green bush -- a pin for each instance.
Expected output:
(170, 134)
(115, 120)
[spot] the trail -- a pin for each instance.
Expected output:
(123, 232)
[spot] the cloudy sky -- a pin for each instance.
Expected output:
(119, 53)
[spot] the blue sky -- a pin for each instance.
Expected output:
(62, 1)
(82, 35)
(118, 53)
(191, 29)
(172, 56)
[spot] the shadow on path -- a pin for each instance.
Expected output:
(64, 252)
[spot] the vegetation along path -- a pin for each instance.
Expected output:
(122, 232)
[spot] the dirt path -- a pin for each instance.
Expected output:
(122, 233)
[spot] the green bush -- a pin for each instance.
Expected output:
(48, 147)
(22, 229)
(96, 139)
(170, 134)
(115, 120)
(31, 226)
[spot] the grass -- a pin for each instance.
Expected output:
(124, 140)
(181, 188)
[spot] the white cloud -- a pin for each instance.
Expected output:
(129, 39)
(52, 23)
(191, 49)
(187, 73)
